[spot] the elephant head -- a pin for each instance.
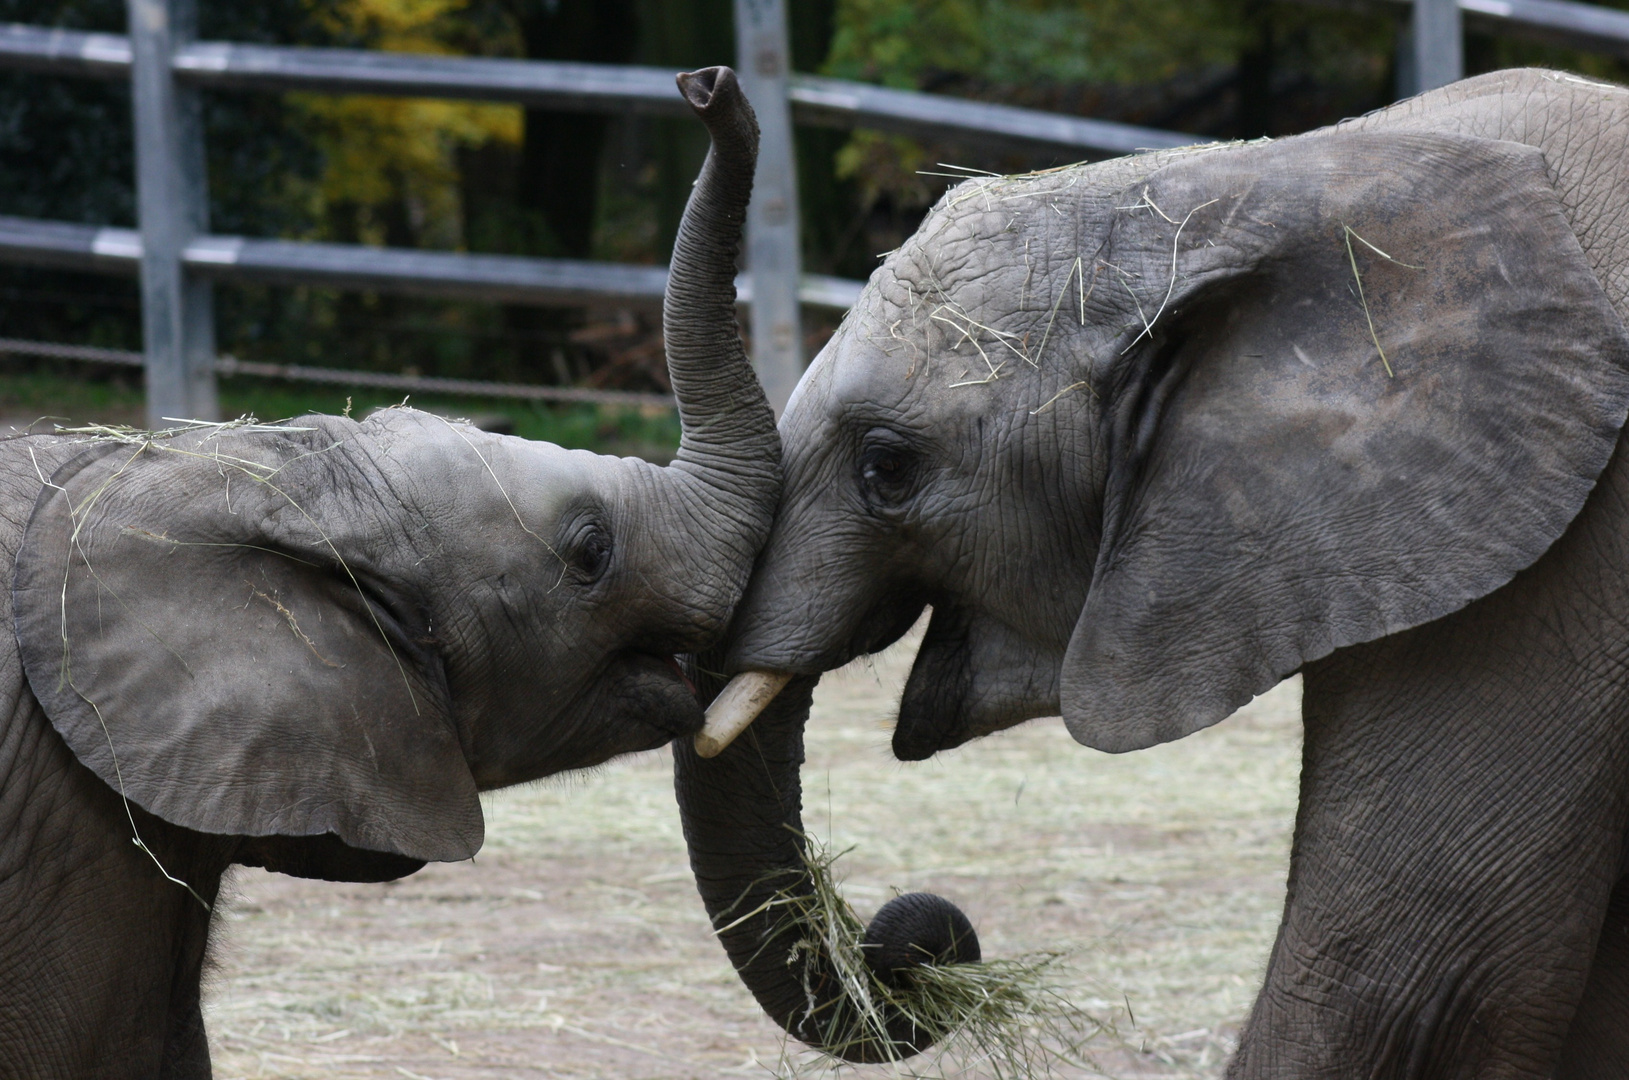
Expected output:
(1150, 435)
(331, 634)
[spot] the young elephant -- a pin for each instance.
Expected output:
(1153, 434)
(308, 646)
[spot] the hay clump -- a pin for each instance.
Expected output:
(1009, 1019)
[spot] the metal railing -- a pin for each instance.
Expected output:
(178, 259)
(415, 384)
(1435, 52)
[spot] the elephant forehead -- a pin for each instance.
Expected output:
(991, 240)
(452, 465)
(857, 367)
(495, 500)
(980, 285)
(539, 481)
(961, 264)
(859, 384)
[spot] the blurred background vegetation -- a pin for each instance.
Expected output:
(497, 178)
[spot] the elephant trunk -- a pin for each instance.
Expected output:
(742, 815)
(728, 440)
(742, 809)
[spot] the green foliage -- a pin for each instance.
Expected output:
(911, 42)
(1218, 68)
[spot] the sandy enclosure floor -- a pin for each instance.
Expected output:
(574, 945)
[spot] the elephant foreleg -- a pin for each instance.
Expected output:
(1597, 1046)
(100, 955)
(186, 1046)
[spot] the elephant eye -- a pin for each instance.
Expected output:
(887, 466)
(591, 552)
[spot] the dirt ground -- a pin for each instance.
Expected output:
(574, 945)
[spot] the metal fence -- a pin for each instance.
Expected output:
(178, 260)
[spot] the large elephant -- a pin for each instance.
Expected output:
(1153, 434)
(308, 646)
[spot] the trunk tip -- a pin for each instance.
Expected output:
(704, 87)
(915, 929)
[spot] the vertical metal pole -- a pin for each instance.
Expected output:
(177, 309)
(774, 259)
(1439, 51)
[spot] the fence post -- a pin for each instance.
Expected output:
(774, 259)
(1439, 50)
(172, 205)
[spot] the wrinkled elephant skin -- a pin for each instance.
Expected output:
(1151, 435)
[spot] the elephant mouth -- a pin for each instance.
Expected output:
(673, 663)
(972, 677)
(676, 709)
(887, 621)
(937, 711)
(650, 694)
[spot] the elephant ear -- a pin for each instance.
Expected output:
(1275, 492)
(191, 631)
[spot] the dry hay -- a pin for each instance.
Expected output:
(1009, 1019)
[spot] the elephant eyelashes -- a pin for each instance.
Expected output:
(887, 467)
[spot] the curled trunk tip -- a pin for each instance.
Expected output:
(700, 88)
(742, 816)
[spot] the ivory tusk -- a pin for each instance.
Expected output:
(736, 706)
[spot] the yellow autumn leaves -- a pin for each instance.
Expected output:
(384, 152)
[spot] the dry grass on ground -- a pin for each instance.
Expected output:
(575, 945)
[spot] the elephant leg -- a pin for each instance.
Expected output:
(186, 1046)
(1463, 803)
(1597, 1045)
(100, 955)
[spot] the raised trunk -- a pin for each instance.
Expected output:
(742, 814)
(709, 512)
(729, 439)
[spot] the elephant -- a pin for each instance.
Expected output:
(308, 646)
(1152, 434)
